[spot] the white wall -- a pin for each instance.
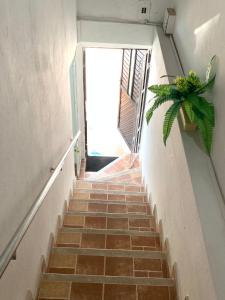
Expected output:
(125, 9)
(182, 185)
(114, 35)
(38, 41)
(197, 42)
(80, 97)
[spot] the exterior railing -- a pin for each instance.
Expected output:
(10, 250)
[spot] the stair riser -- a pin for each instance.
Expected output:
(108, 291)
(108, 241)
(110, 197)
(88, 206)
(109, 215)
(101, 222)
(109, 231)
(101, 201)
(109, 187)
(111, 192)
(79, 264)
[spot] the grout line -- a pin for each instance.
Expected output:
(103, 291)
(70, 290)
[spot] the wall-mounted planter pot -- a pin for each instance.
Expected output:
(185, 122)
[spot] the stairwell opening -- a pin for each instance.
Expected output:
(114, 89)
(104, 143)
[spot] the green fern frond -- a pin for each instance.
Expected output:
(159, 101)
(206, 86)
(175, 96)
(189, 111)
(206, 132)
(161, 90)
(170, 116)
(205, 108)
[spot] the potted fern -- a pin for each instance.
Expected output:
(187, 94)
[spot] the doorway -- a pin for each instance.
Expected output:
(115, 90)
(104, 142)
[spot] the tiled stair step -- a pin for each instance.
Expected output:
(81, 287)
(110, 231)
(109, 207)
(168, 282)
(110, 197)
(109, 192)
(109, 221)
(107, 262)
(105, 201)
(109, 186)
(91, 180)
(108, 239)
(110, 215)
(111, 253)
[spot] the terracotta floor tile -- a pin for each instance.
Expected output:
(62, 260)
(98, 196)
(95, 222)
(157, 274)
(130, 198)
(94, 241)
(141, 241)
(99, 186)
(116, 197)
(83, 185)
(148, 210)
(118, 242)
(139, 223)
(153, 292)
(71, 238)
(137, 209)
(158, 242)
(117, 208)
(90, 265)
(97, 207)
(131, 188)
(119, 266)
(147, 264)
(172, 292)
(165, 268)
(61, 270)
(115, 187)
(141, 274)
(74, 221)
(120, 292)
(54, 289)
(117, 223)
(77, 206)
(84, 196)
(86, 291)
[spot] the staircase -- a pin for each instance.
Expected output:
(108, 248)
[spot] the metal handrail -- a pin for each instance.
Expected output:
(9, 252)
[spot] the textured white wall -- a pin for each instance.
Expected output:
(38, 40)
(125, 9)
(199, 35)
(181, 184)
(114, 35)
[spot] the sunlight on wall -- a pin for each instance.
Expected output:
(103, 71)
(204, 30)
